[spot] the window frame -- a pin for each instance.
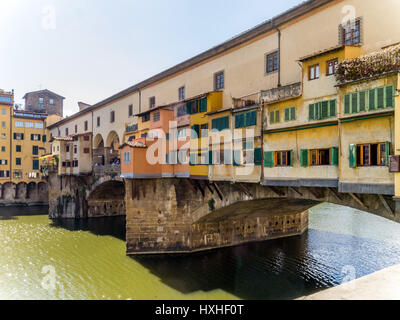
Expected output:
(288, 157)
(335, 65)
(219, 80)
(275, 68)
(314, 67)
(181, 93)
(152, 102)
(319, 157)
(360, 157)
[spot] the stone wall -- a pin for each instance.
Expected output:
(24, 194)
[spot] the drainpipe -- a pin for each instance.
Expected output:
(279, 52)
(140, 101)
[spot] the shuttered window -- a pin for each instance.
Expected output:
(380, 98)
(322, 110)
(269, 159)
(257, 156)
(304, 157)
(290, 114)
(334, 156)
(239, 121)
(274, 117)
(203, 105)
(220, 124)
(248, 119)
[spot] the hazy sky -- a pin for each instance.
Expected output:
(88, 50)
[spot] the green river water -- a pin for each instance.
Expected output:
(89, 262)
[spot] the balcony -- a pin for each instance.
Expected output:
(132, 128)
(282, 93)
(246, 101)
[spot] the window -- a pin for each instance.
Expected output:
(127, 157)
(146, 117)
(35, 165)
(86, 126)
(66, 131)
(290, 114)
(112, 116)
(18, 148)
(35, 137)
(41, 100)
(152, 102)
(144, 135)
(3, 162)
(320, 157)
(3, 149)
(313, 72)
(322, 110)
(98, 122)
(44, 138)
(4, 174)
(86, 150)
(18, 161)
(76, 128)
(351, 32)
(272, 62)
(331, 67)
(156, 117)
(17, 174)
(67, 148)
(274, 117)
(75, 164)
(86, 138)
(35, 150)
(204, 130)
(29, 125)
(248, 152)
(18, 136)
(181, 93)
(3, 124)
(3, 136)
(374, 99)
(130, 110)
(38, 125)
(369, 155)
(247, 119)
(219, 80)
(75, 149)
(3, 111)
(181, 111)
(283, 159)
(19, 124)
(51, 102)
(220, 124)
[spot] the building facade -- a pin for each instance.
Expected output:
(44, 101)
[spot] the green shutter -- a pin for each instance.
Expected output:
(269, 159)
(332, 108)
(387, 150)
(237, 154)
(227, 156)
(347, 103)
(293, 113)
(362, 101)
(324, 109)
(188, 107)
(335, 156)
(304, 157)
(287, 114)
(251, 118)
(372, 99)
(317, 111)
(353, 156)
(311, 113)
(203, 105)
(389, 92)
(272, 117)
(354, 103)
(214, 124)
(381, 98)
(277, 116)
(239, 121)
(257, 156)
(291, 158)
(210, 157)
(225, 123)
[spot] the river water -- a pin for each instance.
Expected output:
(42, 259)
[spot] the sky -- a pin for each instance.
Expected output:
(88, 50)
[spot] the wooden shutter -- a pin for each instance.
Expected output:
(347, 104)
(335, 156)
(293, 113)
(372, 99)
(257, 156)
(387, 150)
(291, 158)
(203, 105)
(332, 108)
(311, 112)
(188, 108)
(304, 157)
(251, 118)
(287, 114)
(389, 92)
(269, 159)
(324, 110)
(272, 117)
(353, 156)
(225, 123)
(362, 101)
(210, 157)
(381, 98)
(227, 156)
(277, 116)
(237, 155)
(354, 103)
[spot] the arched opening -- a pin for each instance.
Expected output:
(112, 149)
(98, 151)
(107, 200)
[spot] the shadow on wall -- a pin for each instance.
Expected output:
(107, 226)
(12, 212)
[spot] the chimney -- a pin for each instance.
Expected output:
(83, 106)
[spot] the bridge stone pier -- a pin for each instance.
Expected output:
(183, 215)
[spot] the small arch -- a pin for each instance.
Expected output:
(113, 140)
(98, 142)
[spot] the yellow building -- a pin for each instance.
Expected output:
(6, 108)
(198, 107)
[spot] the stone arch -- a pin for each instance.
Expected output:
(9, 190)
(113, 141)
(30, 190)
(98, 141)
(21, 191)
(107, 199)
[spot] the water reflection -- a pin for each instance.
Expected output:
(12, 213)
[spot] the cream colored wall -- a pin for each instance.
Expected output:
(317, 138)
